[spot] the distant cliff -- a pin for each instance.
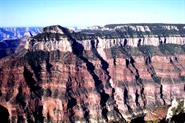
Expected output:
(116, 73)
(7, 33)
(11, 37)
(133, 35)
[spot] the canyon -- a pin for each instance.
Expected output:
(116, 73)
(10, 38)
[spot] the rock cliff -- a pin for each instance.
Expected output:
(112, 73)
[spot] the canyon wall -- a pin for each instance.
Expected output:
(94, 75)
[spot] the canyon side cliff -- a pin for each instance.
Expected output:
(102, 74)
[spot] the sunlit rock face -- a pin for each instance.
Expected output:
(113, 73)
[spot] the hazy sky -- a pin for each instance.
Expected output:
(89, 12)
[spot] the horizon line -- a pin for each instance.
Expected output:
(142, 23)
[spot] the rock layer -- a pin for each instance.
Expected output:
(93, 75)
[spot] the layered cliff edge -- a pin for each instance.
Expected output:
(103, 74)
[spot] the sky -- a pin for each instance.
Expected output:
(83, 13)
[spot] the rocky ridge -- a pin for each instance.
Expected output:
(111, 73)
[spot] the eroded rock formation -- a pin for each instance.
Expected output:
(115, 73)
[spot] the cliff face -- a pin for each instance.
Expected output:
(111, 73)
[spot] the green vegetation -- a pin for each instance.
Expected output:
(182, 78)
(114, 52)
(170, 49)
(183, 47)
(179, 109)
(135, 51)
(147, 49)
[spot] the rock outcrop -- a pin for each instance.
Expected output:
(113, 73)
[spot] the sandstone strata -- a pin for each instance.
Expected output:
(89, 76)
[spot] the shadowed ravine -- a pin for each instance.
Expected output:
(132, 68)
(148, 62)
(78, 49)
(105, 67)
